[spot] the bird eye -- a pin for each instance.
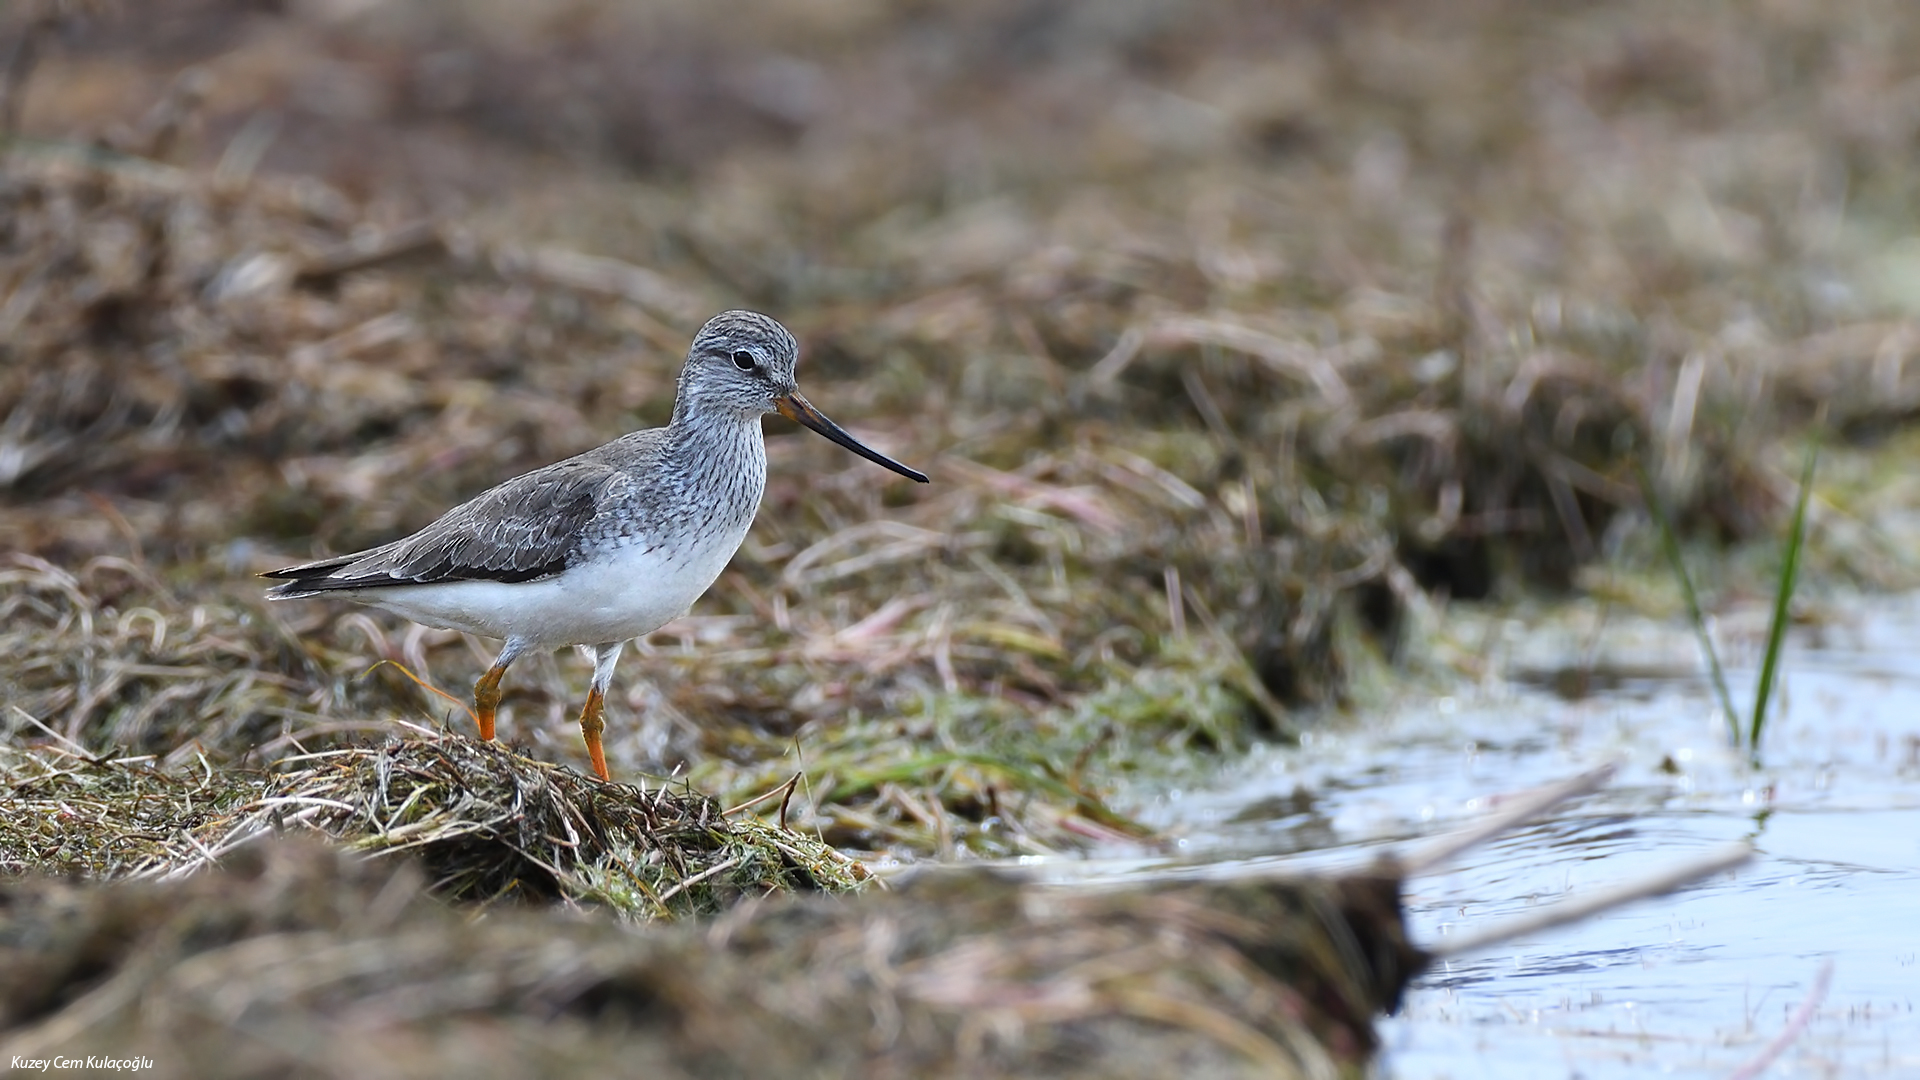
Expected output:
(743, 359)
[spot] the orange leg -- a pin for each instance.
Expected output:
(593, 717)
(486, 692)
(592, 723)
(486, 698)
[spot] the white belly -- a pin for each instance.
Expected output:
(622, 594)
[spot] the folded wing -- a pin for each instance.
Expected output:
(529, 527)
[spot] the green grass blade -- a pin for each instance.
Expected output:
(915, 769)
(1671, 545)
(1782, 601)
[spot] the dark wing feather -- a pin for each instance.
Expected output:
(529, 527)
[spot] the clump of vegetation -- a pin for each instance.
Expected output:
(485, 824)
(296, 957)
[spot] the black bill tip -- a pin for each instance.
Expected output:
(796, 408)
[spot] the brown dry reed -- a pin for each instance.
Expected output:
(302, 961)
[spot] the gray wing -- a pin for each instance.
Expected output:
(529, 527)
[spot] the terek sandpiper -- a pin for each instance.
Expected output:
(600, 548)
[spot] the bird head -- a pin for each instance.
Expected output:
(741, 363)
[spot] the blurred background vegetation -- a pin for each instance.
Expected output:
(1241, 340)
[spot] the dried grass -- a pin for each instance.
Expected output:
(485, 824)
(303, 961)
(1239, 340)
(1311, 317)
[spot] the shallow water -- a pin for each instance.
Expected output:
(1689, 985)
